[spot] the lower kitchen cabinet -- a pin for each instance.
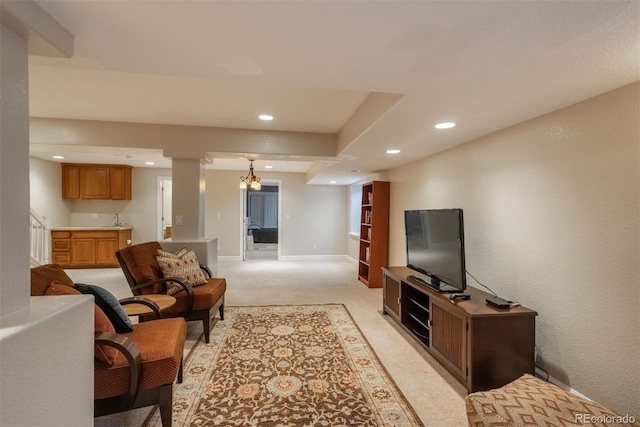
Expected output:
(95, 248)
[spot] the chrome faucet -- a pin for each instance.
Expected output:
(116, 220)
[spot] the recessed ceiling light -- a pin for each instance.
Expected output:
(58, 157)
(265, 117)
(268, 167)
(332, 182)
(394, 151)
(446, 125)
(149, 163)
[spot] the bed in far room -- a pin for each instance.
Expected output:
(265, 235)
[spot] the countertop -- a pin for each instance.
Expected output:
(97, 228)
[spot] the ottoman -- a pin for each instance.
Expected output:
(529, 401)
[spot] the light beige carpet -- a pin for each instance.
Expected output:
(287, 366)
(435, 395)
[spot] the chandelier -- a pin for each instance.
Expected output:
(250, 180)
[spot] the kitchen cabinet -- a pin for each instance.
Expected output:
(88, 248)
(120, 182)
(96, 182)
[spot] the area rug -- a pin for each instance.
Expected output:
(286, 366)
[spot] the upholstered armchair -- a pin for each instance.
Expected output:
(136, 365)
(193, 301)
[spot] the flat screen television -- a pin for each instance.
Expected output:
(435, 248)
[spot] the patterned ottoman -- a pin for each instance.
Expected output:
(529, 401)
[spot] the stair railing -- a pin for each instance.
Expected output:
(40, 239)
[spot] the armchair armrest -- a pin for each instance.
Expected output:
(139, 299)
(151, 283)
(184, 285)
(207, 271)
(130, 351)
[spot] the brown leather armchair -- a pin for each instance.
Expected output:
(145, 364)
(145, 276)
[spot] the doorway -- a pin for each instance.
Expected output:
(164, 207)
(261, 222)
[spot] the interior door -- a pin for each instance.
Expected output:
(261, 208)
(165, 195)
(245, 224)
(270, 210)
(256, 209)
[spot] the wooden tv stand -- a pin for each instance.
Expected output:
(482, 346)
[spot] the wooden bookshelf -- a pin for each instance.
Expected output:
(374, 233)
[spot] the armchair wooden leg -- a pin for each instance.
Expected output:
(166, 405)
(221, 310)
(180, 371)
(206, 324)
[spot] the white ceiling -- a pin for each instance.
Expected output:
(484, 65)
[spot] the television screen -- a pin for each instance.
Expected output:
(435, 247)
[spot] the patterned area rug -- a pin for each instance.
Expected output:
(286, 366)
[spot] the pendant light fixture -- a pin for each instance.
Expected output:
(250, 180)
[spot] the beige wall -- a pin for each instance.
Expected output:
(46, 189)
(222, 210)
(311, 214)
(551, 216)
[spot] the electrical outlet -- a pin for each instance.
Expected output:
(94, 216)
(315, 247)
(178, 219)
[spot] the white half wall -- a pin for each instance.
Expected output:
(46, 360)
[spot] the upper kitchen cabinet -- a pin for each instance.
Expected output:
(96, 182)
(120, 182)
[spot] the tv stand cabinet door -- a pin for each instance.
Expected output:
(501, 349)
(391, 295)
(448, 339)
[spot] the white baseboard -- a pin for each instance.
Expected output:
(314, 257)
(542, 374)
(294, 257)
(229, 258)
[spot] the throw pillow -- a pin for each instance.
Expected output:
(42, 276)
(110, 305)
(103, 353)
(178, 254)
(185, 266)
